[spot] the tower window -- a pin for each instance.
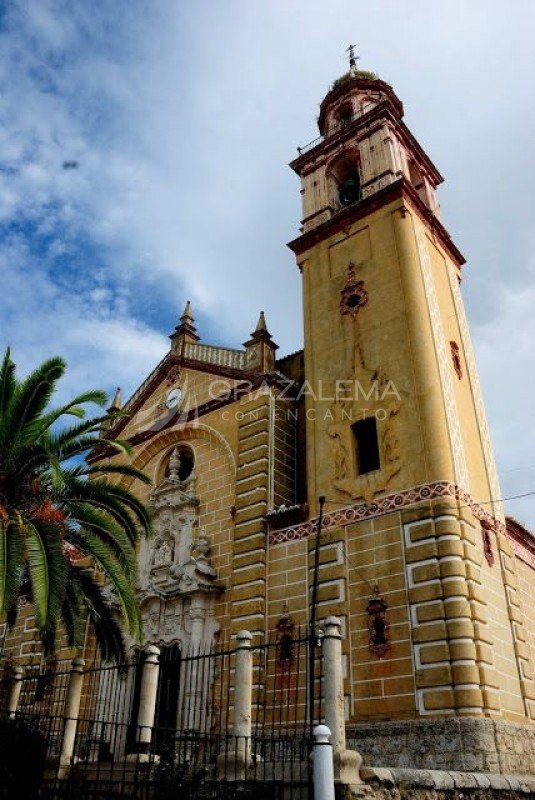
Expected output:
(345, 180)
(366, 445)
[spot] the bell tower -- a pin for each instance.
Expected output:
(396, 433)
(384, 328)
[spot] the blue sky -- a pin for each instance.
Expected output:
(181, 118)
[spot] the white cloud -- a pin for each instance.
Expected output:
(102, 346)
(505, 359)
(182, 118)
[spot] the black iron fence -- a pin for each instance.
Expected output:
(42, 703)
(191, 744)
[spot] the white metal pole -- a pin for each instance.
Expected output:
(323, 766)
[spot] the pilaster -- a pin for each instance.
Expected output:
(253, 488)
(451, 637)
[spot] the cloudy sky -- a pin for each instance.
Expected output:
(143, 161)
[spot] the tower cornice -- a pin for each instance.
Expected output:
(399, 190)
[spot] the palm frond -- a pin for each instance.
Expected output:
(74, 407)
(119, 469)
(58, 441)
(104, 503)
(31, 398)
(7, 382)
(105, 559)
(47, 568)
(106, 628)
(11, 563)
(71, 615)
(112, 534)
(130, 501)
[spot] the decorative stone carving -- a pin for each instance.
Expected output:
(378, 625)
(353, 296)
(177, 583)
(487, 542)
(173, 374)
(456, 359)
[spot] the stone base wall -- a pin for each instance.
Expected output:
(407, 784)
(461, 744)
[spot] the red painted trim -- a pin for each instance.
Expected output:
(385, 505)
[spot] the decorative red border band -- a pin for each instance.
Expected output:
(384, 505)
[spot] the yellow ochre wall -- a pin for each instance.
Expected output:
(454, 647)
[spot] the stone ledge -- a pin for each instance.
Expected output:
(447, 780)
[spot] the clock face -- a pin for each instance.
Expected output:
(173, 398)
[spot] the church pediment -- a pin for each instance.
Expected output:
(171, 392)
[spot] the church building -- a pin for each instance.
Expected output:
(378, 425)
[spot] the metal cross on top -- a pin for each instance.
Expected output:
(352, 57)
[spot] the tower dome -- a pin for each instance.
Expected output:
(352, 95)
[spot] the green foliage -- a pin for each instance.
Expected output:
(364, 74)
(56, 510)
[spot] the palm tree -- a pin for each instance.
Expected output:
(58, 514)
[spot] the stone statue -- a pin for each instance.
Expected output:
(200, 550)
(163, 554)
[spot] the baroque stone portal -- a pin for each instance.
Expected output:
(177, 582)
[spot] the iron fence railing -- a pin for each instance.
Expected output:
(192, 739)
(342, 126)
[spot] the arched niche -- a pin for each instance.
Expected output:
(186, 456)
(344, 179)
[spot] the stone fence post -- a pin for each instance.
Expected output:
(232, 765)
(70, 713)
(14, 691)
(334, 683)
(346, 762)
(147, 703)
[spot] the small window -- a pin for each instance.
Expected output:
(345, 116)
(366, 445)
